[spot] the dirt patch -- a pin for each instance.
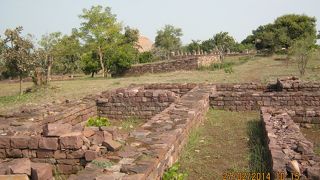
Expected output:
(224, 143)
(312, 135)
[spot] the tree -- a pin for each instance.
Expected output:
(168, 38)
(90, 63)
(302, 51)
(18, 54)
(207, 45)
(223, 42)
(194, 46)
(68, 52)
(100, 31)
(283, 32)
(131, 35)
(48, 44)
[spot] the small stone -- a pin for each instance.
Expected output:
(111, 144)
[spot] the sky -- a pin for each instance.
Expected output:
(198, 19)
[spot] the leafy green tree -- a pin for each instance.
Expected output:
(48, 44)
(100, 31)
(207, 45)
(223, 43)
(194, 46)
(121, 58)
(90, 63)
(302, 51)
(283, 32)
(68, 51)
(145, 57)
(18, 54)
(168, 38)
(131, 36)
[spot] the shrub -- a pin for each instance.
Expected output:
(145, 57)
(228, 69)
(98, 122)
(173, 173)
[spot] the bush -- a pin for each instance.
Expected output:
(228, 69)
(98, 121)
(145, 57)
(173, 173)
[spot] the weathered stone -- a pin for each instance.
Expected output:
(20, 166)
(90, 155)
(4, 141)
(14, 177)
(113, 176)
(56, 129)
(88, 132)
(19, 142)
(75, 154)
(71, 141)
(69, 161)
(14, 153)
(33, 142)
(41, 153)
(65, 169)
(48, 143)
(59, 154)
(41, 171)
(134, 177)
(111, 144)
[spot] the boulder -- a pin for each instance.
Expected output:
(20, 166)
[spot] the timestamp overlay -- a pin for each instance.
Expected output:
(259, 176)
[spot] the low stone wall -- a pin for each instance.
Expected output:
(178, 88)
(154, 146)
(188, 63)
(126, 103)
(305, 115)
(290, 84)
(291, 153)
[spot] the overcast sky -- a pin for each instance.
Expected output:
(199, 19)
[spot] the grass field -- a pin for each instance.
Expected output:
(258, 69)
(226, 142)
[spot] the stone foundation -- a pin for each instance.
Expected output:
(291, 153)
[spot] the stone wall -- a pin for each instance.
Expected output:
(127, 103)
(155, 146)
(188, 63)
(291, 153)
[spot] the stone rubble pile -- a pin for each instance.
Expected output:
(290, 151)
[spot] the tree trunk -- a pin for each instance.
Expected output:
(101, 62)
(48, 78)
(20, 80)
(92, 74)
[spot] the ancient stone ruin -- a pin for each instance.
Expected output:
(36, 141)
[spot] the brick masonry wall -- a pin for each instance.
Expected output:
(156, 145)
(141, 103)
(188, 63)
(291, 153)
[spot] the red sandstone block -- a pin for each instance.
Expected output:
(27, 153)
(41, 171)
(59, 154)
(33, 142)
(19, 142)
(65, 169)
(69, 161)
(48, 143)
(71, 141)
(44, 153)
(75, 154)
(14, 153)
(20, 166)
(90, 155)
(4, 142)
(3, 153)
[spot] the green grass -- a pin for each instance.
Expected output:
(226, 142)
(130, 123)
(258, 69)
